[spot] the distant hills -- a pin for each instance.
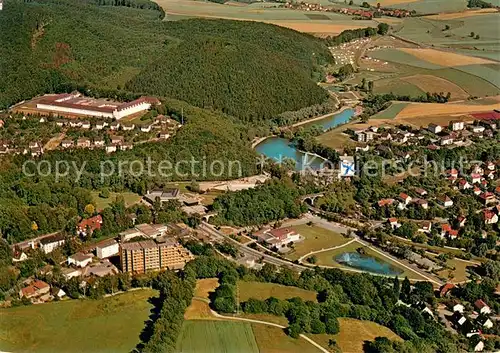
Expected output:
(251, 70)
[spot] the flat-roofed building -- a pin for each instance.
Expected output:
(148, 255)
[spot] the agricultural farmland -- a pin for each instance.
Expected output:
(216, 336)
(321, 24)
(424, 6)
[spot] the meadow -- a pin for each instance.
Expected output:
(424, 6)
(216, 336)
(353, 333)
(316, 238)
(101, 203)
(114, 323)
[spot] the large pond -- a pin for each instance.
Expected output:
(333, 120)
(280, 149)
(367, 263)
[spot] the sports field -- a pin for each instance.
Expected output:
(316, 238)
(110, 324)
(261, 290)
(353, 333)
(216, 337)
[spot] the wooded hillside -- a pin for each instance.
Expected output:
(250, 70)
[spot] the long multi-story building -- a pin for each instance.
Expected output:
(148, 255)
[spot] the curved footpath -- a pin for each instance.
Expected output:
(217, 315)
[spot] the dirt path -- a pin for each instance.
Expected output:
(269, 324)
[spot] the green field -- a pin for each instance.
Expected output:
(400, 57)
(489, 72)
(426, 6)
(274, 340)
(391, 112)
(105, 325)
(208, 336)
(316, 238)
(261, 290)
(396, 86)
(353, 333)
(101, 203)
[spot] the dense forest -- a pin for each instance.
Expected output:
(251, 70)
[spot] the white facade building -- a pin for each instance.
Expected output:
(107, 248)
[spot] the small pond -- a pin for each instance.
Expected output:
(367, 263)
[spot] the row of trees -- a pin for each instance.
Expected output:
(352, 34)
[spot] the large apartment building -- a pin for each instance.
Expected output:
(148, 255)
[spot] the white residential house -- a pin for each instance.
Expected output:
(477, 129)
(435, 128)
(393, 223)
(457, 125)
(482, 307)
(464, 185)
(405, 198)
(66, 143)
(475, 178)
(107, 248)
(446, 140)
(479, 347)
(80, 260)
(85, 125)
(489, 217)
(146, 128)
(111, 148)
(69, 273)
(425, 227)
(100, 125)
(98, 142)
(279, 237)
(48, 244)
(128, 127)
(458, 308)
(445, 200)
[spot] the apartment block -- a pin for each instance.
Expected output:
(148, 255)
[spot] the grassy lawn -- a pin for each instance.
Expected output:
(326, 258)
(353, 333)
(101, 203)
(205, 286)
(336, 139)
(216, 337)
(316, 238)
(273, 340)
(397, 86)
(460, 273)
(259, 290)
(106, 325)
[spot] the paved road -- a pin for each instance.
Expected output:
(249, 251)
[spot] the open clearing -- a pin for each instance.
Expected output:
(414, 110)
(110, 324)
(459, 273)
(101, 203)
(442, 58)
(353, 333)
(316, 238)
(216, 337)
(461, 14)
(261, 290)
(429, 83)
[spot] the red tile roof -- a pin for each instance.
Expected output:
(93, 223)
(282, 232)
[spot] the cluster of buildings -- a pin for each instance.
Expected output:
(76, 105)
(364, 13)
(278, 238)
(471, 323)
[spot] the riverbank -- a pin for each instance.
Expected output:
(304, 122)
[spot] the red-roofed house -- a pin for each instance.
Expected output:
(89, 225)
(453, 234)
(279, 237)
(445, 200)
(487, 198)
(453, 173)
(461, 221)
(37, 288)
(393, 222)
(445, 290)
(482, 307)
(385, 202)
(475, 178)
